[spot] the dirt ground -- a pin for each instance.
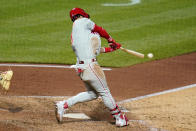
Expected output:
(174, 111)
(37, 113)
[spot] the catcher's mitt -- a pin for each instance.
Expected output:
(5, 78)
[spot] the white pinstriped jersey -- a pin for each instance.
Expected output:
(81, 39)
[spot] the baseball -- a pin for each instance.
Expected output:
(150, 55)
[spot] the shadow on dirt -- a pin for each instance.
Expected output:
(10, 107)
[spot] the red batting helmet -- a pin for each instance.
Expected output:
(78, 11)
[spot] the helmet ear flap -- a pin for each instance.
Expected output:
(75, 17)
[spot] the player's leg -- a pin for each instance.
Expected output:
(98, 82)
(62, 106)
(89, 95)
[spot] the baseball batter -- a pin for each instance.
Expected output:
(86, 44)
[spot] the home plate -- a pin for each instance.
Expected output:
(76, 116)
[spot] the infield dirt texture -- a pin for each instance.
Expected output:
(26, 108)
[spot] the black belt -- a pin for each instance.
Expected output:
(92, 60)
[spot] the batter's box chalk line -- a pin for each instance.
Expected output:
(46, 66)
(77, 116)
(142, 122)
(87, 118)
(157, 94)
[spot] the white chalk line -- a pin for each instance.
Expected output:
(158, 93)
(45, 66)
(132, 2)
(35, 96)
(142, 122)
(121, 102)
(83, 116)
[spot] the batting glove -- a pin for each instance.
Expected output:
(115, 46)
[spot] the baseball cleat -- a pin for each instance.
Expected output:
(121, 120)
(59, 111)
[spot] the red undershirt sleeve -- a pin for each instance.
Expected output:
(102, 32)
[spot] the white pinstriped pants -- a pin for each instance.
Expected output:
(96, 85)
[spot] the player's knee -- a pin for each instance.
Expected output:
(103, 94)
(93, 94)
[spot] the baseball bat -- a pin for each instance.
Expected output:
(140, 55)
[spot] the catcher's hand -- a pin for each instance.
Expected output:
(5, 78)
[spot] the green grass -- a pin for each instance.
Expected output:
(38, 31)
